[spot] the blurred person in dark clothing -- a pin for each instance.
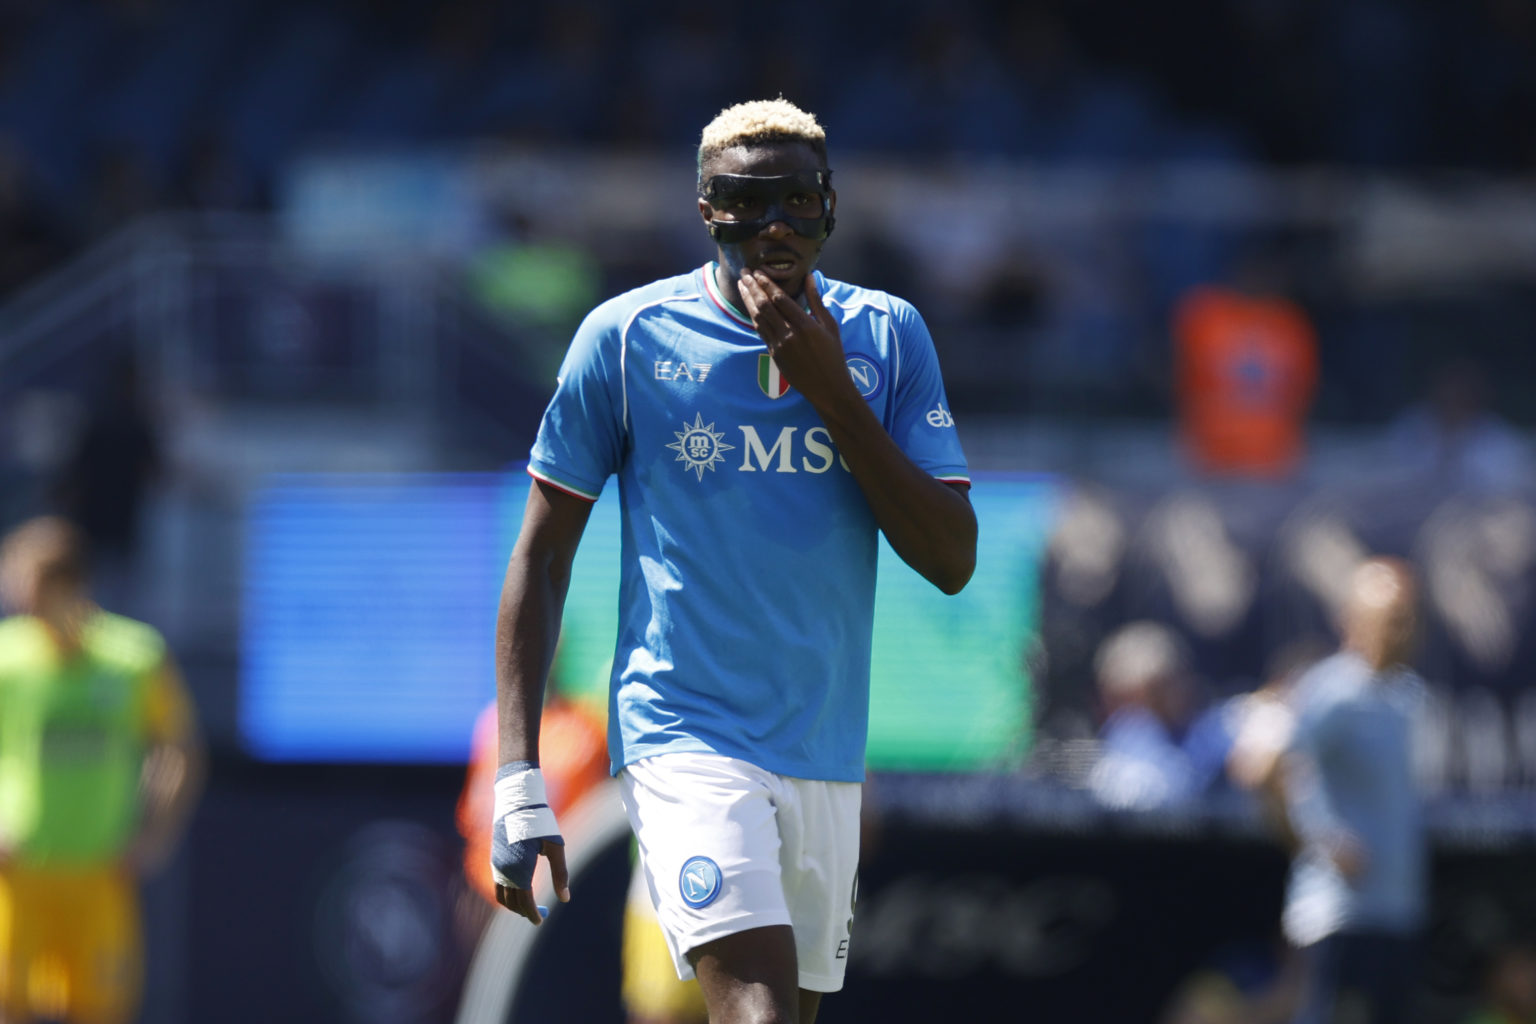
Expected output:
(211, 178)
(1507, 990)
(1455, 439)
(107, 476)
(1158, 746)
(1336, 757)
(122, 190)
(29, 242)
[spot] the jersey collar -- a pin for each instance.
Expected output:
(712, 289)
(736, 316)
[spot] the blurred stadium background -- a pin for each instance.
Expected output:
(283, 285)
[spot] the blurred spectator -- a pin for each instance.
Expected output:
(212, 179)
(1246, 366)
(1156, 748)
(29, 241)
(1453, 438)
(534, 277)
(1081, 579)
(1246, 983)
(100, 763)
(123, 189)
(1507, 989)
(1337, 756)
(1206, 998)
(106, 478)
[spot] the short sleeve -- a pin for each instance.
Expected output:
(581, 437)
(921, 421)
(1315, 713)
(167, 708)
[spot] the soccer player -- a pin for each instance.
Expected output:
(1336, 759)
(99, 765)
(764, 423)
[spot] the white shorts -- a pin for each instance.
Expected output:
(727, 847)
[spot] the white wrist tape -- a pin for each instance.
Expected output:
(522, 808)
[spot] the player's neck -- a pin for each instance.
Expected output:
(729, 286)
(66, 623)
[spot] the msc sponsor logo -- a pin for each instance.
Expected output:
(699, 882)
(815, 447)
(940, 417)
(700, 446)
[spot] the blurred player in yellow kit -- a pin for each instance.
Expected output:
(100, 762)
(652, 991)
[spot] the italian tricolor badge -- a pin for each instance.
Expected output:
(769, 378)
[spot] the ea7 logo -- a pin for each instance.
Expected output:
(666, 369)
(940, 417)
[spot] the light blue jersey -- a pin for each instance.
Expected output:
(1354, 734)
(748, 570)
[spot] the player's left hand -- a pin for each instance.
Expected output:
(1349, 855)
(147, 854)
(523, 830)
(804, 342)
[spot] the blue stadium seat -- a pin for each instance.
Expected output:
(295, 75)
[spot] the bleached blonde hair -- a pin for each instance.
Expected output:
(761, 122)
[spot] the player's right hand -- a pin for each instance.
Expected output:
(1348, 854)
(522, 830)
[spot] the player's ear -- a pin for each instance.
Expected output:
(831, 201)
(706, 211)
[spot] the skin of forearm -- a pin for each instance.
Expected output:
(928, 523)
(527, 629)
(172, 780)
(1273, 800)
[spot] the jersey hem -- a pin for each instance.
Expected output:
(693, 745)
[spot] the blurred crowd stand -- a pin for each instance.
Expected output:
(1237, 582)
(114, 462)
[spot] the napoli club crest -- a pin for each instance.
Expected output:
(700, 882)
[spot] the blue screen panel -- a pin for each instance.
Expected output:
(370, 612)
(368, 616)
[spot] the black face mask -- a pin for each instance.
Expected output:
(745, 204)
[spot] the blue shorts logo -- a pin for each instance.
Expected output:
(700, 882)
(866, 375)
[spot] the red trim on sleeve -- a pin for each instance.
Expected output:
(562, 488)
